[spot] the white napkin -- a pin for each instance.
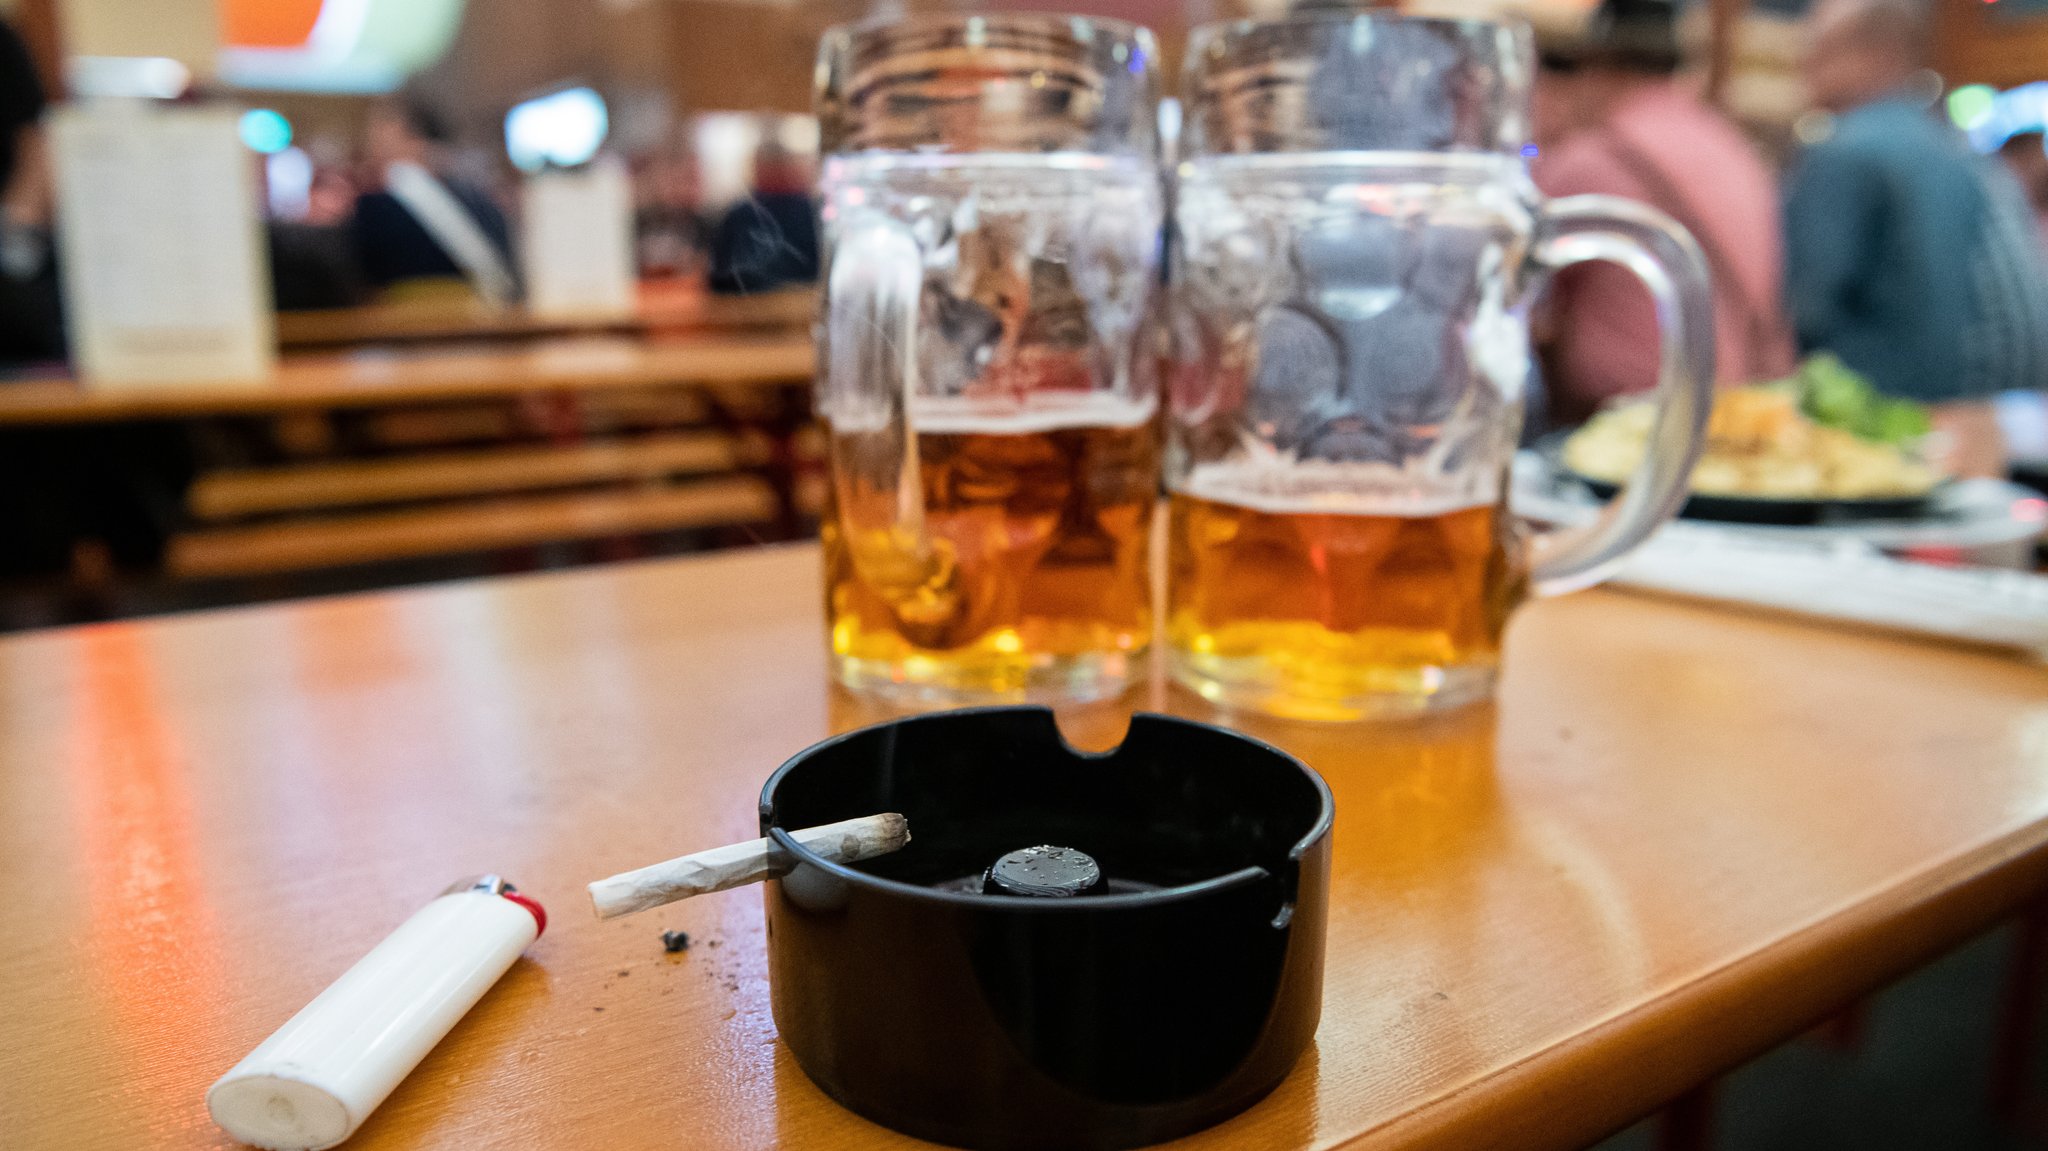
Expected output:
(1847, 582)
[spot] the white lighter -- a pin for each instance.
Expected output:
(314, 1081)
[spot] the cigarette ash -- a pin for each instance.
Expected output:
(730, 968)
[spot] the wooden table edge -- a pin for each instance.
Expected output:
(1803, 977)
(52, 400)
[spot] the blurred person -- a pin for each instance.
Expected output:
(1908, 255)
(2026, 157)
(332, 198)
(22, 103)
(31, 326)
(770, 239)
(671, 236)
(1612, 118)
(414, 222)
(313, 266)
(35, 512)
(119, 484)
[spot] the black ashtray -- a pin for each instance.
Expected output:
(1167, 978)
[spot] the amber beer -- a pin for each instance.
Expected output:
(1320, 614)
(1017, 567)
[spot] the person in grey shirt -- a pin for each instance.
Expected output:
(1907, 254)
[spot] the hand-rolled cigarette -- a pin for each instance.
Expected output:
(738, 864)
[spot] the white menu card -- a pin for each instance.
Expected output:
(166, 280)
(577, 242)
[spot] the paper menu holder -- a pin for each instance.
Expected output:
(165, 275)
(577, 243)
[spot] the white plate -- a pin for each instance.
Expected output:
(1968, 514)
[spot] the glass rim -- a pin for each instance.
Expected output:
(1124, 31)
(1201, 36)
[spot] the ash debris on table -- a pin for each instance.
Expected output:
(727, 970)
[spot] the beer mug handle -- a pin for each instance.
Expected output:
(1577, 229)
(870, 375)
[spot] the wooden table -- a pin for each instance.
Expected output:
(463, 318)
(377, 377)
(678, 307)
(1682, 836)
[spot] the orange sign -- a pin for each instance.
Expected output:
(268, 23)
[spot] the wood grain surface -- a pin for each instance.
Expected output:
(661, 306)
(232, 493)
(463, 317)
(429, 373)
(1682, 835)
(468, 526)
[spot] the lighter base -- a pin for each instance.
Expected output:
(1251, 685)
(929, 681)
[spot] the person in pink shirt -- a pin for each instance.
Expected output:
(1612, 118)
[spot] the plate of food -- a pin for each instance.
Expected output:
(1819, 447)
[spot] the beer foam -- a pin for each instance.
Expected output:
(1328, 487)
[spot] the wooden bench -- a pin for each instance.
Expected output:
(471, 526)
(385, 462)
(245, 492)
(683, 308)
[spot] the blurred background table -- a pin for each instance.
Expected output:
(430, 373)
(663, 308)
(1682, 836)
(423, 459)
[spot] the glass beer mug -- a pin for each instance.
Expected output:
(992, 222)
(1357, 246)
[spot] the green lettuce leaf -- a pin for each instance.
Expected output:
(1834, 395)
